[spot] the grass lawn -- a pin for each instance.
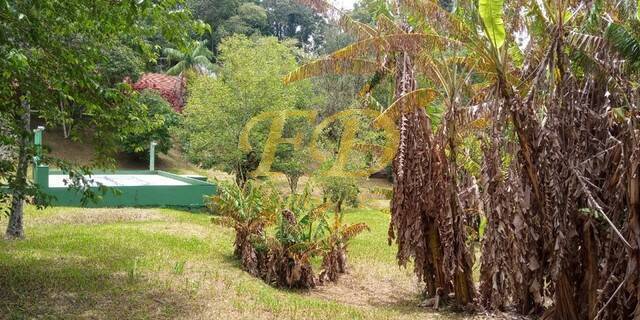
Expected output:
(161, 263)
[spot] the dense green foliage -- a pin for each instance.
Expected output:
(154, 121)
(283, 19)
(53, 50)
(250, 19)
(290, 19)
(340, 191)
(121, 61)
(249, 82)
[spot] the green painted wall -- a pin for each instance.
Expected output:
(191, 195)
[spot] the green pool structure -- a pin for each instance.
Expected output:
(125, 188)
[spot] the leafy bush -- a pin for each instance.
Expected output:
(249, 82)
(121, 62)
(155, 119)
(334, 259)
(293, 164)
(288, 261)
(340, 191)
(302, 231)
(248, 210)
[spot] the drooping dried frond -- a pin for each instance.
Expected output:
(353, 230)
(356, 28)
(409, 103)
(334, 263)
(404, 42)
(330, 66)
(497, 282)
(285, 268)
(334, 260)
(586, 42)
(437, 16)
(386, 25)
(559, 149)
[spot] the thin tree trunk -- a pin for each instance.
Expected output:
(64, 125)
(293, 182)
(633, 266)
(15, 228)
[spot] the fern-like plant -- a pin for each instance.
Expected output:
(625, 41)
(298, 238)
(334, 258)
(248, 209)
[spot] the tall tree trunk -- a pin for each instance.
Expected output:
(414, 215)
(459, 260)
(633, 266)
(529, 299)
(15, 228)
(66, 130)
(497, 280)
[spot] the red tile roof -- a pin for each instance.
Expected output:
(171, 88)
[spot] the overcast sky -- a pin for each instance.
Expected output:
(344, 4)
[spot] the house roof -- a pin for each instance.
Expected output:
(171, 88)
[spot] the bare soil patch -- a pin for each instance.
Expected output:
(362, 286)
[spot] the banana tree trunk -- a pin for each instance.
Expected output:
(633, 266)
(414, 224)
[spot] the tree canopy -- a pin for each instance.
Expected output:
(56, 49)
(280, 18)
(537, 132)
(249, 82)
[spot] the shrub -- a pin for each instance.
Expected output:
(288, 261)
(121, 62)
(296, 241)
(305, 231)
(248, 210)
(334, 259)
(340, 191)
(155, 119)
(302, 232)
(249, 82)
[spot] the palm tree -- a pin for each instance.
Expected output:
(428, 228)
(196, 57)
(561, 170)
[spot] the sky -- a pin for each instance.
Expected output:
(344, 4)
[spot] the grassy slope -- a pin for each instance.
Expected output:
(160, 263)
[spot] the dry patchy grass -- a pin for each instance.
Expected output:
(166, 264)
